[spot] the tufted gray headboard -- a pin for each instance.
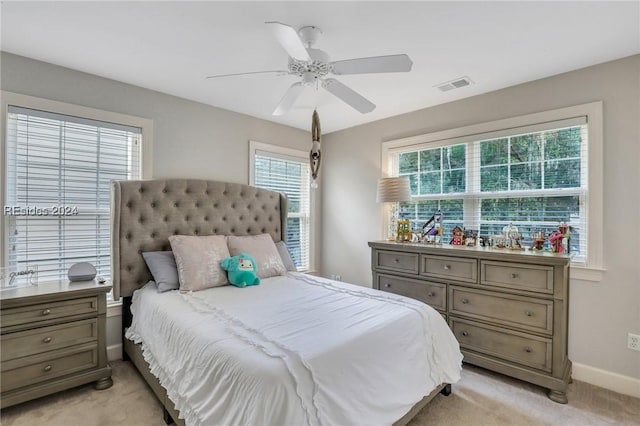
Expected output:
(144, 213)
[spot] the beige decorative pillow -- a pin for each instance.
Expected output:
(262, 249)
(198, 261)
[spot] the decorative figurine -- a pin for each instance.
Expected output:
(314, 154)
(458, 236)
(512, 237)
(539, 239)
(498, 241)
(560, 239)
(471, 237)
(432, 229)
(404, 231)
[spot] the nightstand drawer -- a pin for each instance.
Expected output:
(48, 311)
(455, 268)
(397, 261)
(527, 313)
(39, 368)
(531, 351)
(517, 276)
(433, 294)
(31, 342)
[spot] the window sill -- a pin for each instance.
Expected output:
(583, 273)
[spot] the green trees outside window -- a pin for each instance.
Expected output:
(533, 181)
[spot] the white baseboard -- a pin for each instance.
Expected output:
(606, 379)
(114, 352)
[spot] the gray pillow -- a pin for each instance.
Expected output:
(198, 261)
(286, 256)
(262, 249)
(163, 267)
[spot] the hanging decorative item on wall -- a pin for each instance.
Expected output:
(314, 154)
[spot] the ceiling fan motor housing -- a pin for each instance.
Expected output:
(310, 71)
(309, 35)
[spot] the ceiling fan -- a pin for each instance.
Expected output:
(313, 66)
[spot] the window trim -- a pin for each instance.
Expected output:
(32, 102)
(281, 152)
(594, 268)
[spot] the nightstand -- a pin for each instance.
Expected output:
(52, 337)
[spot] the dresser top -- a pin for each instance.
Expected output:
(46, 288)
(468, 251)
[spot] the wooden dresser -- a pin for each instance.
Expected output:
(508, 309)
(53, 337)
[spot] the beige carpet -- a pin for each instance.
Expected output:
(480, 398)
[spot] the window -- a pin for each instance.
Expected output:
(528, 173)
(287, 171)
(60, 160)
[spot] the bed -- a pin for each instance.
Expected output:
(296, 349)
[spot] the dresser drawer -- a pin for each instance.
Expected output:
(49, 365)
(527, 313)
(524, 349)
(30, 342)
(455, 268)
(517, 276)
(48, 311)
(433, 294)
(397, 261)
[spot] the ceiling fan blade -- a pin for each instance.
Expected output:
(281, 72)
(288, 38)
(374, 64)
(289, 99)
(348, 95)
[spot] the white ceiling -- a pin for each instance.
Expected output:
(171, 46)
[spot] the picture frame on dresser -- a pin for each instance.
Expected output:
(52, 338)
(508, 309)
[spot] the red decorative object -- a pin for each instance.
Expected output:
(458, 236)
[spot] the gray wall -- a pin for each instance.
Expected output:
(601, 313)
(190, 139)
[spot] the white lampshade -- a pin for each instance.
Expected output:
(393, 190)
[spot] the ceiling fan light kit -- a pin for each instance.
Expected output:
(313, 65)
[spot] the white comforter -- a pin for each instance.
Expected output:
(294, 350)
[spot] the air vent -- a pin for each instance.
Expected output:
(454, 84)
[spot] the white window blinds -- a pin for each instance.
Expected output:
(291, 176)
(59, 170)
(532, 177)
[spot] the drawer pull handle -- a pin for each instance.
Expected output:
(528, 313)
(464, 301)
(514, 275)
(465, 334)
(528, 350)
(447, 267)
(430, 294)
(46, 340)
(48, 368)
(387, 285)
(396, 260)
(46, 312)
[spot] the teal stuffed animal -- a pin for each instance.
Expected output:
(241, 270)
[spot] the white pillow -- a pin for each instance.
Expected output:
(198, 261)
(262, 249)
